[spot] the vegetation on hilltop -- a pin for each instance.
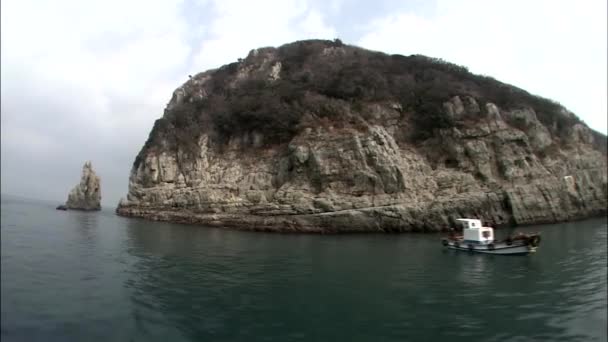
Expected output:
(327, 79)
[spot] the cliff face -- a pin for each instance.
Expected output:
(317, 136)
(87, 194)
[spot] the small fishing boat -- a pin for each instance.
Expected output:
(478, 239)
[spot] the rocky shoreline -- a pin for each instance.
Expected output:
(503, 208)
(297, 224)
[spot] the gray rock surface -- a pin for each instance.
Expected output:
(361, 174)
(87, 194)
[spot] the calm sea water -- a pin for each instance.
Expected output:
(74, 276)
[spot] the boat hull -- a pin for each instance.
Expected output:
(500, 248)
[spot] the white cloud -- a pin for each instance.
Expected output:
(556, 49)
(86, 80)
(241, 26)
(50, 46)
(81, 80)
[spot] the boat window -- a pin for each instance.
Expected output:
(485, 234)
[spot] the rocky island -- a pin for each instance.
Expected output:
(318, 136)
(87, 194)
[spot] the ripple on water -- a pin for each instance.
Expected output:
(156, 281)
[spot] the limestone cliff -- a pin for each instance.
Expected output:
(317, 136)
(87, 194)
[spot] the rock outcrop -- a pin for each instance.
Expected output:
(317, 136)
(87, 194)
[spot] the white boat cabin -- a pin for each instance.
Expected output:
(474, 232)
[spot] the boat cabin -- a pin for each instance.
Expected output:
(474, 232)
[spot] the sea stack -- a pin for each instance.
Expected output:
(319, 136)
(87, 194)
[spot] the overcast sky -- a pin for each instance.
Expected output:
(85, 80)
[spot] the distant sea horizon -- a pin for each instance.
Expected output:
(56, 202)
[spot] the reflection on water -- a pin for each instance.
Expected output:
(227, 285)
(86, 225)
(475, 274)
(95, 276)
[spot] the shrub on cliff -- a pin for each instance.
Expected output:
(316, 75)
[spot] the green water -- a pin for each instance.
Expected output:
(73, 276)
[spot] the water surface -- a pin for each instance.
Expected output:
(76, 276)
